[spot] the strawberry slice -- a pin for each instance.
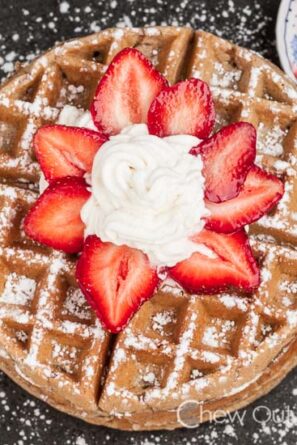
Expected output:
(184, 108)
(66, 151)
(232, 266)
(260, 193)
(54, 220)
(227, 157)
(126, 91)
(115, 280)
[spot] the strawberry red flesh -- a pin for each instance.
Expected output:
(66, 151)
(184, 108)
(126, 91)
(54, 220)
(115, 280)
(260, 193)
(227, 157)
(232, 266)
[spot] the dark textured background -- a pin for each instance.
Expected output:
(29, 26)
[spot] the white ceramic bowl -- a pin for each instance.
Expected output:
(286, 36)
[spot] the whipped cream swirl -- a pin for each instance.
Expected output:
(147, 193)
(76, 117)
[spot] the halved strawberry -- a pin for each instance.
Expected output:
(184, 108)
(54, 220)
(233, 265)
(116, 280)
(126, 91)
(260, 193)
(227, 157)
(66, 151)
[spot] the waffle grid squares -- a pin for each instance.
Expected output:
(66, 347)
(176, 346)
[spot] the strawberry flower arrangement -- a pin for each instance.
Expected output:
(117, 278)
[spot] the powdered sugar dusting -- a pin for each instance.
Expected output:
(80, 20)
(73, 309)
(18, 290)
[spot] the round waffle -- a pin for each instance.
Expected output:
(223, 351)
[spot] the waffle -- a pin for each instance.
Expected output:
(223, 351)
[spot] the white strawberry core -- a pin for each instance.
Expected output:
(72, 117)
(147, 193)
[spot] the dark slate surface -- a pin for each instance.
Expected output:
(29, 26)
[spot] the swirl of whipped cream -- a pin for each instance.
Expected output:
(147, 193)
(76, 117)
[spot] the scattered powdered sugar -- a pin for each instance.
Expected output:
(27, 415)
(28, 135)
(224, 79)
(75, 304)
(18, 290)
(230, 301)
(29, 422)
(64, 7)
(149, 378)
(288, 286)
(225, 18)
(270, 140)
(162, 319)
(80, 441)
(215, 335)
